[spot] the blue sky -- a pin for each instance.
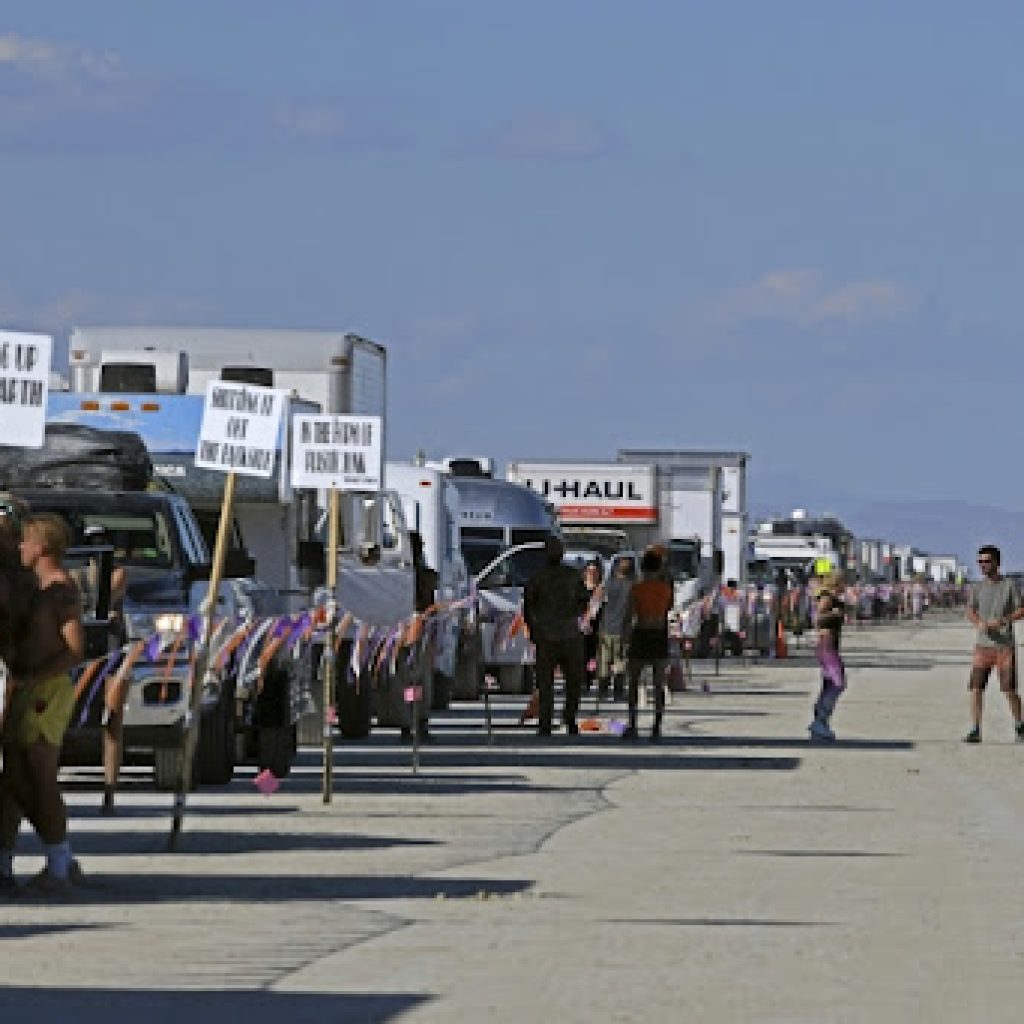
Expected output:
(787, 227)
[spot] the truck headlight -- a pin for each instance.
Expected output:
(169, 622)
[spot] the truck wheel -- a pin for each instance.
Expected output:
(442, 695)
(354, 710)
(167, 769)
(275, 749)
(216, 755)
(512, 679)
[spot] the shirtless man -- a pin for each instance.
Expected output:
(40, 709)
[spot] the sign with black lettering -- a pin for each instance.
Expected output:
(340, 452)
(24, 384)
(606, 493)
(240, 429)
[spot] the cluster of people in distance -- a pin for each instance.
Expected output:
(582, 625)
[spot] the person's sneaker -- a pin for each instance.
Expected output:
(107, 807)
(46, 886)
(629, 733)
(76, 876)
(820, 730)
(974, 736)
(1020, 732)
(543, 730)
(572, 729)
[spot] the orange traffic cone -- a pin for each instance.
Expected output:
(781, 650)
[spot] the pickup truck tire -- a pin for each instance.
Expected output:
(276, 748)
(168, 763)
(216, 755)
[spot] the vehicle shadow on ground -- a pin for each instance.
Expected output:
(154, 810)
(202, 842)
(178, 887)
(156, 1006)
(586, 753)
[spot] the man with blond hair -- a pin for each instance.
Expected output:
(40, 709)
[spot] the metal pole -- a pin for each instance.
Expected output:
(201, 662)
(329, 652)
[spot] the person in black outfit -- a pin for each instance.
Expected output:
(553, 601)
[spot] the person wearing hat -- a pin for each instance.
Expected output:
(831, 611)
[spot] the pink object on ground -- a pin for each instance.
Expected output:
(267, 782)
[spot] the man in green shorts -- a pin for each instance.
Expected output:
(40, 709)
(994, 607)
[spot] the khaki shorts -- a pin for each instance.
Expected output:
(611, 656)
(40, 712)
(1002, 659)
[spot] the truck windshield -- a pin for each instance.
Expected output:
(141, 538)
(479, 552)
(683, 563)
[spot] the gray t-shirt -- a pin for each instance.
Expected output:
(616, 602)
(995, 599)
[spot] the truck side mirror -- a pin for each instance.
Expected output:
(311, 565)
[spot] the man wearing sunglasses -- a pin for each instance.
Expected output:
(994, 607)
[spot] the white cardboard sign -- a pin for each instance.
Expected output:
(240, 429)
(24, 386)
(340, 452)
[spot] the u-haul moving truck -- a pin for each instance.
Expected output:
(669, 502)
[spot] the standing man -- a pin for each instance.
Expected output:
(553, 601)
(994, 607)
(41, 708)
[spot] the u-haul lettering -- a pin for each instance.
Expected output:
(594, 494)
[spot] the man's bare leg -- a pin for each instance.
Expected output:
(977, 702)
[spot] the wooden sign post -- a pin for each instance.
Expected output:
(335, 453)
(239, 435)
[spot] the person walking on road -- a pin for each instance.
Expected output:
(553, 602)
(611, 651)
(592, 621)
(650, 601)
(994, 607)
(831, 613)
(41, 708)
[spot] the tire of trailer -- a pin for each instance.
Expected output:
(354, 710)
(442, 693)
(276, 746)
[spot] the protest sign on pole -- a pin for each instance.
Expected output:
(239, 435)
(24, 385)
(335, 453)
(341, 452)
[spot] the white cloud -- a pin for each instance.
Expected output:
(52, 61)
(805, 298)
(546, 136)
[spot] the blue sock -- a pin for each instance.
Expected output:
(58, 859)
